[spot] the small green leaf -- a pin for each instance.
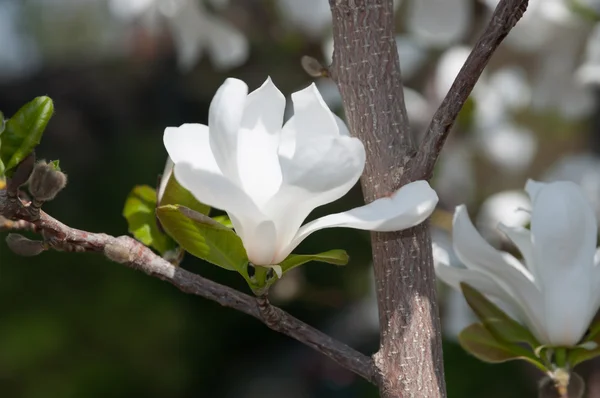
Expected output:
(23, 131)
(580, 354)
(336, 257)
(223, 220)
(139, 211)
(204, 238)
(495, 320)
(175, 194)
(55, 164)
(478, 341)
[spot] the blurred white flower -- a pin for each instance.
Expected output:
(554, 289)
(498, 96)
(582, 169)
(268, 178)
(454, 179)
(539, 25)
(512, 208)
(193, 30)
(439, 23)
(311, 17)
(552, 33)
(19, 55)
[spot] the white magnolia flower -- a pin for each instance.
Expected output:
(439, 23)
(584, 170)
(193, 29)
(554, 289)
(268, 178)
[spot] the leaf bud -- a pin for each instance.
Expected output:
(23, 246)
(46, 181)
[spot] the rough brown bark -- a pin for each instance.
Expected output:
(367, 70)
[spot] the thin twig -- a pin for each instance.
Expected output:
(504, 18)
(127, 251)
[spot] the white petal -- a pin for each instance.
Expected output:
(521, 237)
(224, 121)
(227, 46)
(407, 207)
(564, 230)
(439, 22)
(320, 162)
(219, 192)
(258, 142)
(164, 179)
(260, 243)
(516, 281)
(454, 276)
(190, 143)
(321, 171)
(311, 114)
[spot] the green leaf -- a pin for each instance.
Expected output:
(478, 341)
(55, 164)
(175, 194)
(336, 257)
(581, 354)
(204, 238)
(140, 213)
(223, 220)
(23, 131)
(495, 320)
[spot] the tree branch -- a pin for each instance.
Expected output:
(367, 71)
(504, 18)
(14, 214)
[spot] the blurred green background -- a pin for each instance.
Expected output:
(76, 325)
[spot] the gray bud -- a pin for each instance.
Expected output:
(23, 246)
(46, 181)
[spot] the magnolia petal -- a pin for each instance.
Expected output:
(564, 231)
(319, 163)
(190, 143)
(318, 174)
(228, 47)
(521, 237)
(260, 243)
(407, 207)
(312, 115)
(164, 179)
(454, 276)
(218, 191)
(224, 120)
(258, 142)
(516, 281)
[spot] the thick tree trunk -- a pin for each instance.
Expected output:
(367, 71)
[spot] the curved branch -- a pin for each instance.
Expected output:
(504, 18)
(127, 251)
